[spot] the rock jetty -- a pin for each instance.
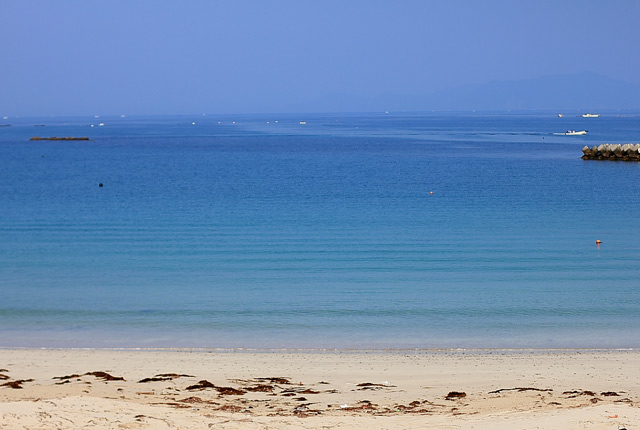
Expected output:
(616, 152)
(59, 138)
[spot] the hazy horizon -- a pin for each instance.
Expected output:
(144, 57)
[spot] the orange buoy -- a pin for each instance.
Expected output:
(598, 241)
(430, 192)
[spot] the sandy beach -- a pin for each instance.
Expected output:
(199, 389)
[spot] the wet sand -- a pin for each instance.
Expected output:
(199, 389)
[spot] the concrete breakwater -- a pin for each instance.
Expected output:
(608, 151)
(58, 138)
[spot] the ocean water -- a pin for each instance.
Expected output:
(350, 231)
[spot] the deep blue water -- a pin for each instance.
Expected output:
(273, 234)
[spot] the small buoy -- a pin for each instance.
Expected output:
(100, 184)
(431, 193)
(598, 241)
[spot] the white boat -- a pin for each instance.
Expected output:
(574, 133)
(590, 115)
(560, 115)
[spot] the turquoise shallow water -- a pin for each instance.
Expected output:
(268, 234)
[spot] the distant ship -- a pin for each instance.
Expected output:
(572, 133)
(590, 115)
(560, 115)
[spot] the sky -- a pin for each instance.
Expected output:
(86, 57)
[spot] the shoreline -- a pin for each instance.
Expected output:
(192, 389)
(223, 350)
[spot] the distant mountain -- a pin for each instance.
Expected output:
(582, 91)
(575, 92)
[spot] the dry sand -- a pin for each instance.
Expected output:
(196, 389)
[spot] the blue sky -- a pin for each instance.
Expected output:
(160, 57)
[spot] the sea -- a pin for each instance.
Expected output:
(383, 231)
